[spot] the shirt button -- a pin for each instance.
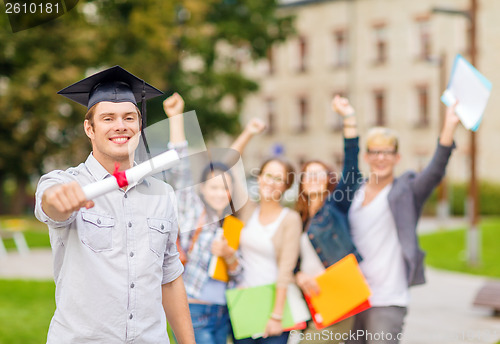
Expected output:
(98, 221)
(130, 316)
(132, 285)
(130, 224)
(125, 196)
(131, 254)
(162, 226)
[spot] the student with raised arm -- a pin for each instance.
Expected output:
(323, 204)
(383, 219)
(204, 212)
(116, 267)
(269, 242)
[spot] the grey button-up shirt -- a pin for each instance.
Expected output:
(111, 260)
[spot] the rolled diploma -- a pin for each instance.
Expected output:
(134, 174)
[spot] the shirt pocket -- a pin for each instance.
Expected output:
(158, 234)
(97, 231)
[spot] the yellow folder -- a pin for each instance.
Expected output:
(231, 229)
(342, 289)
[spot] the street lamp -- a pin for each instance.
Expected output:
(473, 234)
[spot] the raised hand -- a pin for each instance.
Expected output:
(255, 126)
(342, 106)
(173, 105)
(451, 117)
(451, 121)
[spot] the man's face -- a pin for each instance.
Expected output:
(112, 135)
(382, 160)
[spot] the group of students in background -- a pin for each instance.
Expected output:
(374, 218)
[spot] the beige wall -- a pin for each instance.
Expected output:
(399, 77)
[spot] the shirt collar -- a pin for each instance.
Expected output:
(99, 172)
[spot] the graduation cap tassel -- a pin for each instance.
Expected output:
(144, 120)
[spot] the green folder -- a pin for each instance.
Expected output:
(251, 308)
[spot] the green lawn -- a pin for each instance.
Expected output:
(26, 308)
(35, 232)
(446, 249)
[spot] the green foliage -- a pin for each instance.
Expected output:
(447, 249)
(489, 198)
(154, 39)
(27, 307)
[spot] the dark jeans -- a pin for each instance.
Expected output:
(269, 340)
(378, 325)
(210, 323)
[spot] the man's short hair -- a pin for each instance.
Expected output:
(382, 136)
(89, 116)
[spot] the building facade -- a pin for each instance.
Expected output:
(392, 59)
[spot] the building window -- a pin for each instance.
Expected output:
(423, 107)
(271, 116)
(379, 100)
(341, 49)
(302, 54)
(270, 61)
(338, 160)
(303, 114)
(380, 36)
(424, 38)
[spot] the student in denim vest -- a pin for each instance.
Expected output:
(323, 203)
(202, 212)
(383, 219)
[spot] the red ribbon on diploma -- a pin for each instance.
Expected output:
(121, 177)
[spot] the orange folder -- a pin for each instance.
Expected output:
(343, 292)
(231, 230)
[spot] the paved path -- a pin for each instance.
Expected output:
(37, 264)
(441, 312)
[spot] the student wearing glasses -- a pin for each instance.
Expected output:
(269, 243)
(383, 220)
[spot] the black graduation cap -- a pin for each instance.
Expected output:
(115, 85)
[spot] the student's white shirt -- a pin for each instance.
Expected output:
(310, 263)
(375, 235)
(258, 256)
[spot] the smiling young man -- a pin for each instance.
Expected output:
(383, 219)
(116, 265)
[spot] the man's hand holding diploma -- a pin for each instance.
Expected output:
(60, 201)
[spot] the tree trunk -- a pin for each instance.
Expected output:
(2, 194)
(19, 198)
